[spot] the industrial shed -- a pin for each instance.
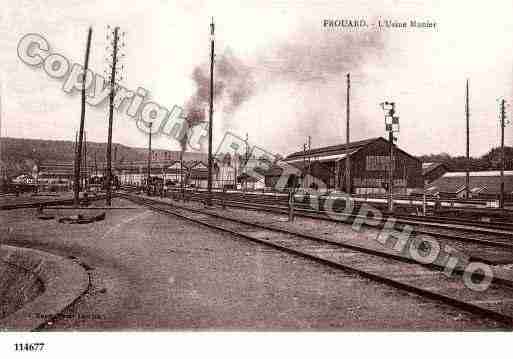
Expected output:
(432, 171)
(368, 172)
(482, 185)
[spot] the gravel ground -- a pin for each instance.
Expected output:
(29, 198)
(364, 237)
(151, 271)
(17, 287)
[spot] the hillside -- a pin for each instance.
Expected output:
(20, 155)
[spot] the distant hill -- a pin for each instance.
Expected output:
(19, 155)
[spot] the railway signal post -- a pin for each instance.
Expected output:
(391, 126)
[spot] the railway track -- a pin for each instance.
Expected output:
(402, 273)
(46, 203)
(486, 245)
(433, 221)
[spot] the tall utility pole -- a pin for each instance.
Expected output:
(348, 161)
(309, 156)
(86, 170)
(78, 156)
(149, 163)
(467, 115)
(304, 166)
(75, 148)
(211, 114)
(391, 173)
(503, 124)
(111, 116)
(246, 159)
(181, 175)
(2, 169)
(235, 164)
(95, 166)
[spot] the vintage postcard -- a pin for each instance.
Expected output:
(254, 166)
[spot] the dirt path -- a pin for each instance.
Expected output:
(150, 271)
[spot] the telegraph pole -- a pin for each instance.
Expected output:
(503, 124)
(78, 156)
(391, 174)
(181, 175)
(211, 114)
(149, 163)
(348, 161)
(309, 156)
(467, 115)
(246, 159)
(304, 166)
(86, 169)
(2, 169)
(111, 116)
(95, 166)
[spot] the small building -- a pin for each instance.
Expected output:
(226, 173)
(175, 174)
(482, 185)
(432, 171)
(197, 174)
(59, 176)
(369, 162)
(24, 179)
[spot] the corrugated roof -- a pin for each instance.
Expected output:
(478, 174)
(430, 166)
(452, 182)
(334, 150)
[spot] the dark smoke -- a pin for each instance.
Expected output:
(233, 84)
(309, 60)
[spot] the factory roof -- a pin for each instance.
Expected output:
(430, 166)
(479, 182)
(337, 152)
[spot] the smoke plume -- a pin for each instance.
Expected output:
(299, 82)
(233, 84)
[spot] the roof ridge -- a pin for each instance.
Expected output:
(352, 144)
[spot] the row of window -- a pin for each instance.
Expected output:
(377, 182)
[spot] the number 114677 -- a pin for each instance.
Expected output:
(29, 347)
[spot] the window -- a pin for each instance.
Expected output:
(377, 163)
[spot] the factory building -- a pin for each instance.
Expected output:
(191, 173)
(482, 185)
(368, 168)
(432, 171)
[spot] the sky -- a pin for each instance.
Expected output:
(291, 68)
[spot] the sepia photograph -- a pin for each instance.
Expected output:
(276, 170)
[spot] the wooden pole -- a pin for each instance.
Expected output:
(78, 156)
(291, 205)
(149, 163)
(467, 115)
(503, 117)
(309, 156)
(211, 114)
(111, 116)
(348, 160)
(304, 166)
(86, 170)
